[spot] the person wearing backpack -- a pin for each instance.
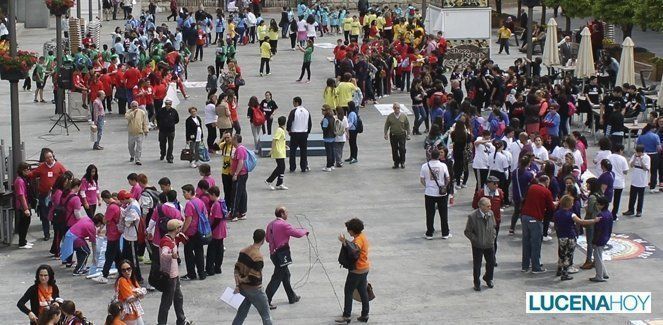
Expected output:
(217, 217)
(240, 176)
(166, 210)
(358, 273)
(129, 220)
(278, 233)
(355, 126)
(194, 255)
(148, 200)
(341, 126)
(257, 119)
(328, 136)
(113, 235)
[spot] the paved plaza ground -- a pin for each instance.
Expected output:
(415, 281)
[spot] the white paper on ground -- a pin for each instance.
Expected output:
(386, 109)
(325, 45)
(231, 298)
(195, 84)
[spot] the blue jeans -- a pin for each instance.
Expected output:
(532, 237)
(420, 115)
(258, 299)
(101, 121)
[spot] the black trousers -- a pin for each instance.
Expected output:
(616, 198)
(636, 193)
(306, 66)
(281, 274)
(458, 154)
(346, 35)
(264, 62)
(130, 252)
(329, 152)
(397, 148)
(23, 223)
(353, 144)
(278, 172)
(240, 198)
(267, 126)
(274, 44)
(298, 140)
(441, 202)
(166, 144)
(478, 254)
(653, 172)
(112, 255)
(211, 136)
(359, 282)
(227, 181)
(219, 66)
(194, 257)
(252, 34)
(155, 258)
(214, 256)
(199, 50)
(293, 40)
(480, 175)
(516, 214)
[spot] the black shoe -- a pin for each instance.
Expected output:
(217, 271)
(628, 213)
(296, 299)
(131, 159)
(596, 280)
(362, 319)
(566, 278)
(348, 160)
(170, 161)
(210, 273)
(477, 288)
(395, 166)
(187, 278)
(272, 307)
(202, 277)
(402, 165)
(606, 277)
(139, 163)
(47, 238)
(638, 215)
(489, 283)
(162, 157)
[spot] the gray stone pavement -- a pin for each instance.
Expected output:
(415, 281)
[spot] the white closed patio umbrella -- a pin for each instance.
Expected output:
(660, 94)
(626, 73)
(585, 63)
(550, 51)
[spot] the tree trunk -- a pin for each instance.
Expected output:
(520, 7)
(543, 14)
(568, 24)
(498, 6)
(556, 11)
(627, 30)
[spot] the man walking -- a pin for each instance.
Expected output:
(298, 126)
(503, 35)
(537, 203)
(99, 118)
(397, 130)
(248, 280)
(278, 236)
(194, 254)
(167, 118)
(434, 176)
(496, 196)
(138, 128)
(480, 230)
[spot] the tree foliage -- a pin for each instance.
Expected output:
(649, 14)
(618, 12)
(572, 9)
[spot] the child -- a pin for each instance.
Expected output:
(602, 232)
(641, 163)
(565, 221)
(211, 85)
(217, 217)
(221, 56)
(278, 153)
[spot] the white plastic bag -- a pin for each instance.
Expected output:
(171, 94)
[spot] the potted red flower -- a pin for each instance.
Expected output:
(16, 68)
(59, 7)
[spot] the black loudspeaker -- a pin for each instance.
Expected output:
(531, 3)
(65, 77)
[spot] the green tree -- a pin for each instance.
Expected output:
(618, 12)
(572, 9)
(649, 15)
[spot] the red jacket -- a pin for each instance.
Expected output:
(495, 203)
(47, 176)
(537, 202)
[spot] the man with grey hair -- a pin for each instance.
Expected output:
(167, 118)
(138, 129)
(397, 130)
(480, 230)
(99, 118)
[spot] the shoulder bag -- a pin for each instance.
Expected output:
(441, 189)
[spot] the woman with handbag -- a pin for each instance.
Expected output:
(224, 121)
(129, 293)
(194, 135)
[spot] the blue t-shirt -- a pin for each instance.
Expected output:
(352, 121)
(564, 225)
(554, 119)
(650, 140)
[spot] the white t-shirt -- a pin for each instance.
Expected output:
(210, 114)
(346, 125)
(301, 26)
(620, 168)
(498, 162)
(441, 173)
(640, 176)
(199, 129)
(540, 154)
(310, 29)
(481, 154)
(514, 148)
(600, 155)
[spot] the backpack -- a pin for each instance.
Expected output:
(339, 130)
(348, 255)
(405, 63)
(204, 228)
(251, 160)
(357, 97)
(359, 125)
(152, 195)
(258, 116)
(572, 108)
(162, 222)
(60, 211)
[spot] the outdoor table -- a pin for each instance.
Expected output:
(630, 128)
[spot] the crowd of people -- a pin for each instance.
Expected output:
(513, 132)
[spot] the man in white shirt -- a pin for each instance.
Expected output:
(130, 219)
(641, 164)
(515, 147)
(434, 175)
(483, 148)
(619, 168)
(251, 22)
(298, 126)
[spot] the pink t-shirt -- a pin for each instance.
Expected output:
(207, 201)
(210, 180)
(74, 204)
(240, 154)
(84, 228)
(190, 212)
(169, 212)
(112, 218)
(20, 190)
(89, 191)
(218, 211)
(136, 191)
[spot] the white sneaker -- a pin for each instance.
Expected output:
(654, 190)
(428, 237)
(456, 187)
(193, 165)
(269, 185)
(94, 275)
(547, 238)
(332, 167)
(463, 186)
(101, 280)
(326, 169)
(447, 236)
(25, 247)
(281, 187)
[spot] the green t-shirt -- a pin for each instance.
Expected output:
(308, 53)
(39, 72)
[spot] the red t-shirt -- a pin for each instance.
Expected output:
(107, 84)
(47, 176)
(160, 91)
(131, 77)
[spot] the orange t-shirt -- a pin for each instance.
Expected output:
(363, 245)
(125, 289)
(45, 297)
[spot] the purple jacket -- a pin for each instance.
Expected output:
(521, 180)
(603, 229)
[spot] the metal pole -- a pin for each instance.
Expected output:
(13, 90)
(530, 47)
(78, 9)
(424, 6)
(90, 10)
(59, 94)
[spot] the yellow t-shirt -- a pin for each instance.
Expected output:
(262, 32)
(231, 30)
(330, 97)
(273, 35)
(380, 22)
(265, 50)
(227, 152)
(347, 24)
(369, 19)
(278, 144)
(344, 92)
(504, 32)
(398, 30)
(355, 28)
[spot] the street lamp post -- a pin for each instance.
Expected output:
(59, 94)
(530, 47)
(89, 7)
(17, 155)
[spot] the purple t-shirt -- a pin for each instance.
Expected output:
(84, 228)
(239, 155)
(90, 190)
(20, 189)
(73, 205)
(607, 178)
(170, 213)
(218, 212)
(564, 225)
